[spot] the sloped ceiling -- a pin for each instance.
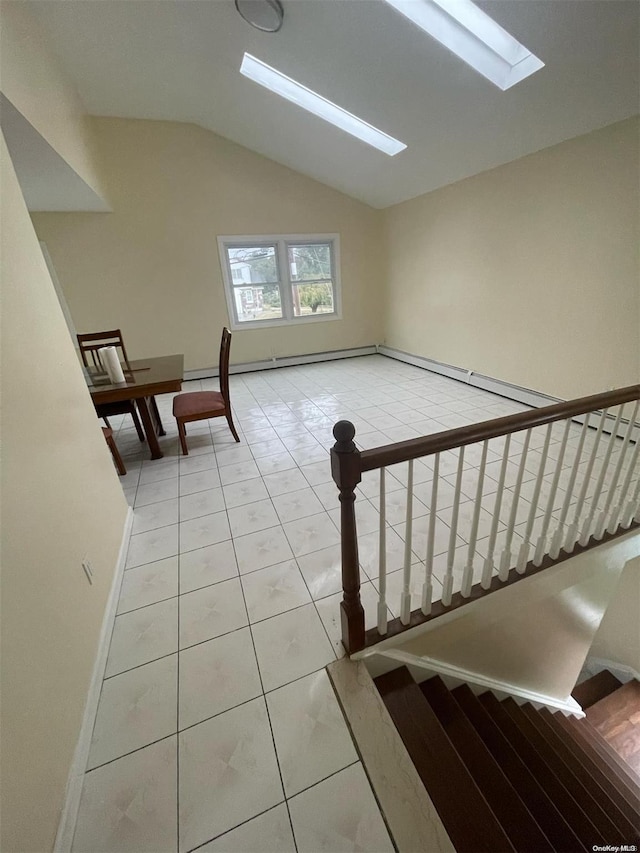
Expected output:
(179, 59)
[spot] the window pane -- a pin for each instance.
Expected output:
(257, 302)
(310, 262)
(253, 264)
(312, 299)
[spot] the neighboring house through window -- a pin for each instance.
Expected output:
(279, 280)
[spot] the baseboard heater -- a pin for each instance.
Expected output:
(517, 393)
(283, 361)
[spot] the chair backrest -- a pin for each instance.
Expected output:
(93, 341)
(223, 364)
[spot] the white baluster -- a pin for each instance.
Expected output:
(405, 600)
(523, 553)
(613, 485)
(427, 587)
(636, 511)
(542, 538)
(631, 510)
(586, 527)
(447, 586)
(467, 576)
(624, 491)
(505, 559)
(572, 532)
(556, 541)
(487, 570)
(382, 560)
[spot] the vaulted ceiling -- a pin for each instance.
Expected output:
(179, 59)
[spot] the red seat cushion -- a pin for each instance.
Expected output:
(198, 403)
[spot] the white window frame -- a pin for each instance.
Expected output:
(282, 243)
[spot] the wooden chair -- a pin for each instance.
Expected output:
(108, 434)
(89, 345)
(202, 405)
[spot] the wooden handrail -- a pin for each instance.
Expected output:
(348, 464)
(414, 448)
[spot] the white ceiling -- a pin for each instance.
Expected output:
(179, 60)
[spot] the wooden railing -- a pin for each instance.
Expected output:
(601, 500)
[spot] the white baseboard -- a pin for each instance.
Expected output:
(622, 671)
(67, 825)
(470, 377)
(424, 667)
(535, 399)
(282, 361)
(526, 396)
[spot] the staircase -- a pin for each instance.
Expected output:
(509, 777)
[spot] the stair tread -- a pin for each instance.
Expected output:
(617, 718)
(572, 811)
(589, 781)
(596, 765)
(619, 704)
(503, 799)
(589, 692)
(470, 822)
(623, 770)
(530, 791)
(564, 772)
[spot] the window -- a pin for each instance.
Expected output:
(272, 281)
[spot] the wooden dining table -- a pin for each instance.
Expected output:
(144, 379)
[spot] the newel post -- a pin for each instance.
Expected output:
(345, 468)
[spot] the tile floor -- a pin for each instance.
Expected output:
(217, 727)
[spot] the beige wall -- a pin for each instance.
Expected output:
(529, 272)
(34, 81)
(61, 502)
(618, 637)
(152, 269)
(535, 634)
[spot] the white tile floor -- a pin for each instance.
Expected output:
(217, 727)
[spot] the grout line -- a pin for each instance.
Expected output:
(266, 706)
(242, 823)
(178, 700)
(133, 751)
(324, 779)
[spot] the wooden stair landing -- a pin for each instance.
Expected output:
(510, 777)
(617, 718)
(589, 692)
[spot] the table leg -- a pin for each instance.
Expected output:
(156, 415)
(149, 429)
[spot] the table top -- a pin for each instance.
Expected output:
(148, 376)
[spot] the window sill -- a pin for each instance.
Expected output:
(284, 323)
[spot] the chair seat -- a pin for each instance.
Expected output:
(197, 403)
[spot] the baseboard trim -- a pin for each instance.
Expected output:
(621, 671)
(282, 361)
(526, 396)
(517, 393)
(470, 377)
(69, 816)
(424, 667)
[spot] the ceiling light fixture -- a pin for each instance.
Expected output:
(472, 35)
(264, 15)
(298, 94)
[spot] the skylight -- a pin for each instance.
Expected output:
(298, 94)
(472, 35)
